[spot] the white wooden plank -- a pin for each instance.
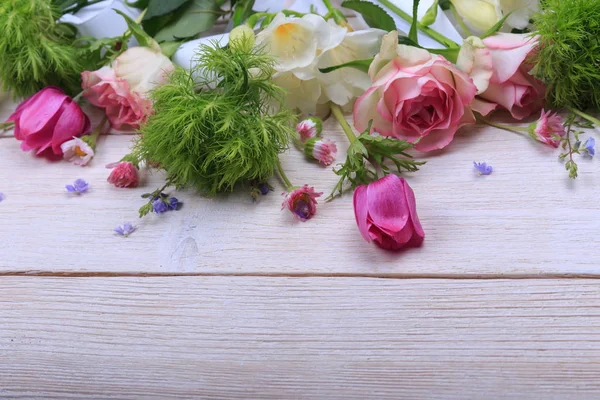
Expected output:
(295, 338)
(527, 218)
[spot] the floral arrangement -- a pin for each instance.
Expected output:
(215, 113)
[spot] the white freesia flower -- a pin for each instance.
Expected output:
(342, 86)
(295, 42)
(302, 94)
(100, 20)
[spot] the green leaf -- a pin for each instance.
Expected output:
(138, 32)
(374, 16)
(412, 34)
(169, 48)
(242, 10)
(362, 65)
(431, 14)
(156, 8)
(194, 18)
(408, 42)
(450, 54)
(494, 29)
(141, 4)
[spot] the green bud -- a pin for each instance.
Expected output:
(309, 146)
(431, 14)
(242, 38)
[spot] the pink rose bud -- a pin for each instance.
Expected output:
(48, 119)
(309, 128)
(322, 150)
(548, 129)
(386, 213)
(123, 175)
(302, 202)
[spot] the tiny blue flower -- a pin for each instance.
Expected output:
(590, 146)
(174, 204)
(264, 189)
(78, 187)
(483, 168)
(2, 197)
(159, 206)
(125, 230)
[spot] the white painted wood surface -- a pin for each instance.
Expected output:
(526, 219)
(298, 338)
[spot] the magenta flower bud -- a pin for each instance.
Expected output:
(386, 214)
(309, 128)
(302, 202)
(322, 150)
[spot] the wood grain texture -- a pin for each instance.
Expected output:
(526, 219)
(298, 338)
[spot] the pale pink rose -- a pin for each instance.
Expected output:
(548, 129)
(124, 108)
(511, 86)
(415, 96)
(123, 88)
(386, 213)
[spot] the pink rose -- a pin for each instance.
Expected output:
(48, 119)
(123, 175)
(510, 84)
(386, 213)
(416, 96)
(122, 89)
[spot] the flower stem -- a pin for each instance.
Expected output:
(284, 179)
(339, 115)
(4, 126)
(432, 33)
(337, 15)
(93, 137)
(516, 129)
(586, 116)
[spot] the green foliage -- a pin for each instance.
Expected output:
(156, 8)
(568, 60)
(215, 126)
(378, 152)
(193, 18)
(242, 9)
(35, 51)
(431, 14)
(361, 65)
(569, 149)
(374, 16)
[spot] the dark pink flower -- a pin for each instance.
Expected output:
(48, 119)
(302, 202)
(548, 129)
(123, 175)
(386, 213)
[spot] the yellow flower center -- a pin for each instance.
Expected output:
(285, 29)
(80, 152)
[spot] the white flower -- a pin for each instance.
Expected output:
(295, 42)
(522, 10)
(77, 151)
(343, 85)
(479, 14)
(143, 68)
(301, 94)
(100, 20)
(483, 14)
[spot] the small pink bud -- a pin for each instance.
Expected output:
(302, 202)
(124, 175)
